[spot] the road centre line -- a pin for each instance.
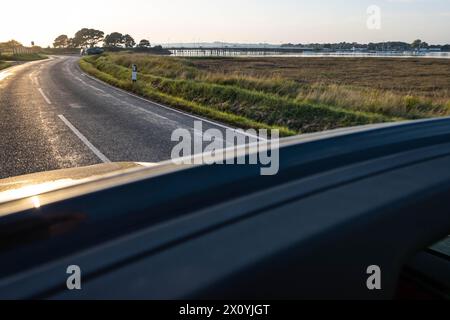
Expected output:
(88, 144)
(44, 96)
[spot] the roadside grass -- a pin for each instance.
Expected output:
(242, 102)
(23, 57)
(4, 65)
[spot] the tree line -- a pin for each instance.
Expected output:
(380, 46)
(15, 47)
(91, 37)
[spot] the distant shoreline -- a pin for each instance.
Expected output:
(336, 54)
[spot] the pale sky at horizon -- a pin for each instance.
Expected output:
(244, 21)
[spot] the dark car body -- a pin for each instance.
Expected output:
(94, 51)
(343, 201)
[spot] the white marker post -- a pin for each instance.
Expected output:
(134, 72)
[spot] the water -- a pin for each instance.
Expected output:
(262, 53)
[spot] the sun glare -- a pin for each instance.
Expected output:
(36, 202)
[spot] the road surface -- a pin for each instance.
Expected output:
(53, 116)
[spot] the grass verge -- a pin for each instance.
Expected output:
(23, 57)
(4, 65)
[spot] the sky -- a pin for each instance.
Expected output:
(243, 21)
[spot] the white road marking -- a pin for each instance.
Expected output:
(4, 75)
(11, 70)
(105, 94)
(139, 108)
(44, 96)
(76, 106)
(34, 79)
(88, 85)
(82, 81)
(152, 113)
(175, 110)
(97, 152)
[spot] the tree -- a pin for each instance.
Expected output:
(11, 45)
(88, 37)
(72, 43)
(144, 44)
(80, 39)
(419, 44)
(128, 41)
(61, 41)
(113, 40)
(416, 44)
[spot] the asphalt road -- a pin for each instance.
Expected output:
(53, 116)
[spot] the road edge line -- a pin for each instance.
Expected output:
(44, 96)
(88, 144)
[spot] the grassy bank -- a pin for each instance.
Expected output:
(407, 88)
(23, 57)
(4, 65)
(242, 100)
(7, 61)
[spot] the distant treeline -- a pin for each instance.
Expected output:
(381, 46)
(115, 41)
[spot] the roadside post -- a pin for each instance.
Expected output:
(134, 72)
